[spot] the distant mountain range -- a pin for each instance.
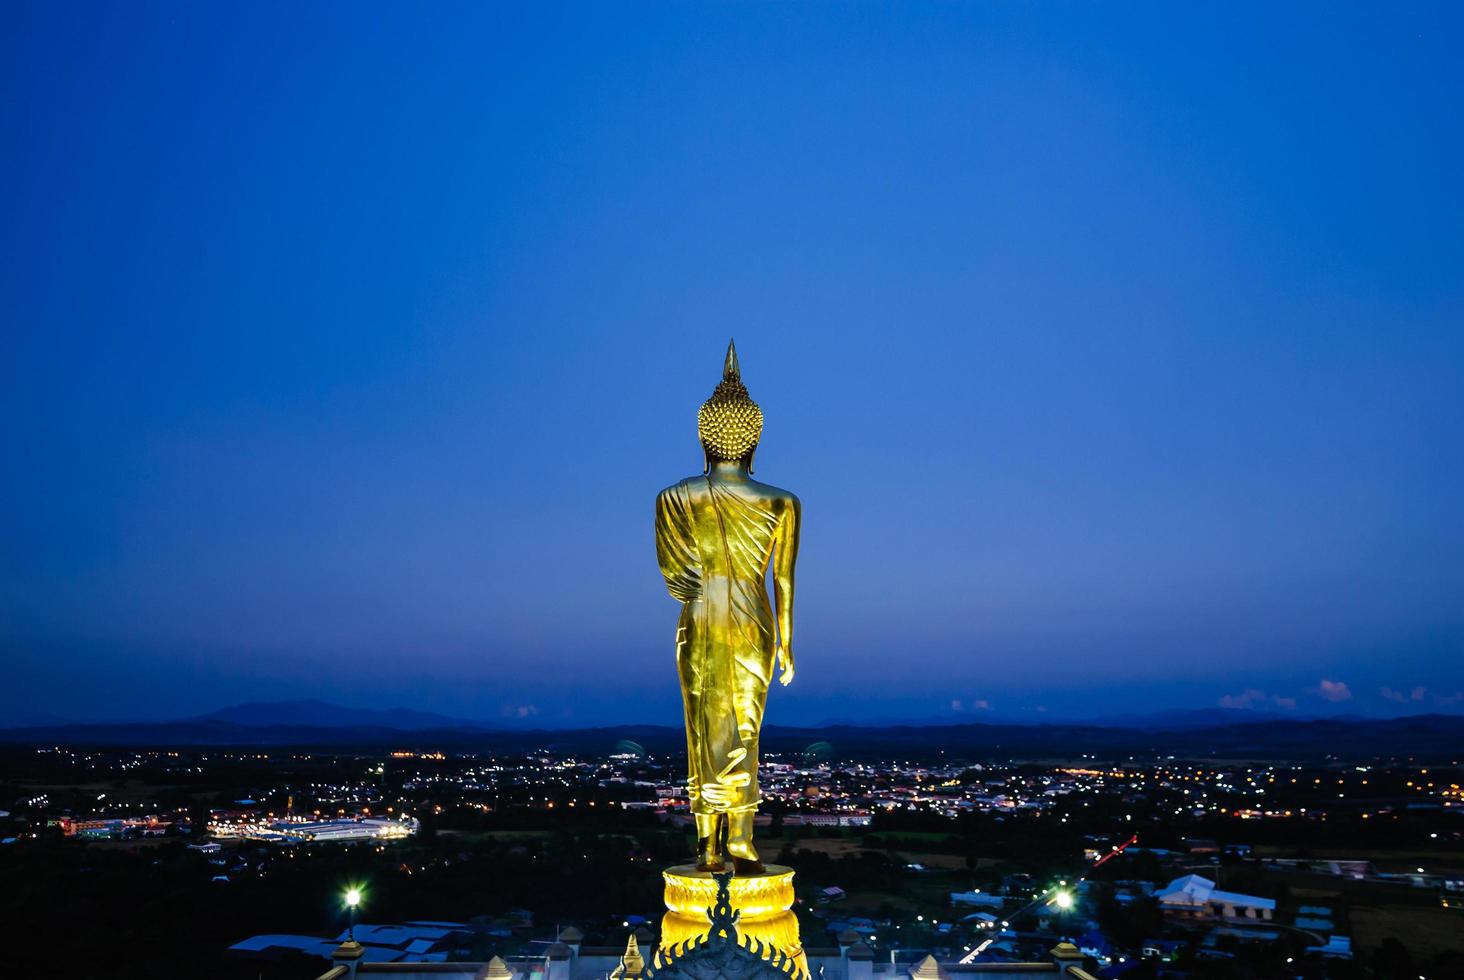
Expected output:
(319, 724)
(323, 714)
(1186, 719)
(1181, 719)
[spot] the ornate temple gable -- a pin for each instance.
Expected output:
(721, 954)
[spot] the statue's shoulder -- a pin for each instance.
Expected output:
(678, 489)
(776, 495)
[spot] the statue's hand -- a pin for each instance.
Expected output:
(785, 660)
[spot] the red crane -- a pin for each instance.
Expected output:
(1117, 850)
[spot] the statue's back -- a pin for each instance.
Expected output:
(735, 523)
(716, 535)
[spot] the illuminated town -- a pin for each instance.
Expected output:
(1130, 860)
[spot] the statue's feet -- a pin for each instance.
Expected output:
(708, 857)
(710, 829)
(747, 866)
(739, 845)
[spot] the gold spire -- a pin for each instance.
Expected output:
(729, 423)
(632, 964)
(927, 969)
(496, 970)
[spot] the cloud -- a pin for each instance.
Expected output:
(1417, 694)
(1455, 698)
(1252, 698)
(1334, 691)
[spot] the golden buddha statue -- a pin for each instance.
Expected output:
(716, 536)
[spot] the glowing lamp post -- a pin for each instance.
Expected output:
(1064, 902)
(353, 899)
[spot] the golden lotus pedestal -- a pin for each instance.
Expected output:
(764, 903)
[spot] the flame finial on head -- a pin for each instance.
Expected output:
(730, 370)
(729, 423)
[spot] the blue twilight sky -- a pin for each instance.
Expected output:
(1115, 350)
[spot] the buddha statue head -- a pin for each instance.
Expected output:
(729, 423)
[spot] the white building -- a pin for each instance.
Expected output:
(1196, 897)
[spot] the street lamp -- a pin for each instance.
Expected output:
(353, 899)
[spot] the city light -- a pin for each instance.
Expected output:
(294, 820)
(353, 899)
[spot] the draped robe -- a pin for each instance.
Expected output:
(714, 544)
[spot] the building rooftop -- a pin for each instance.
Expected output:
(399, 935)
(1195, 890)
